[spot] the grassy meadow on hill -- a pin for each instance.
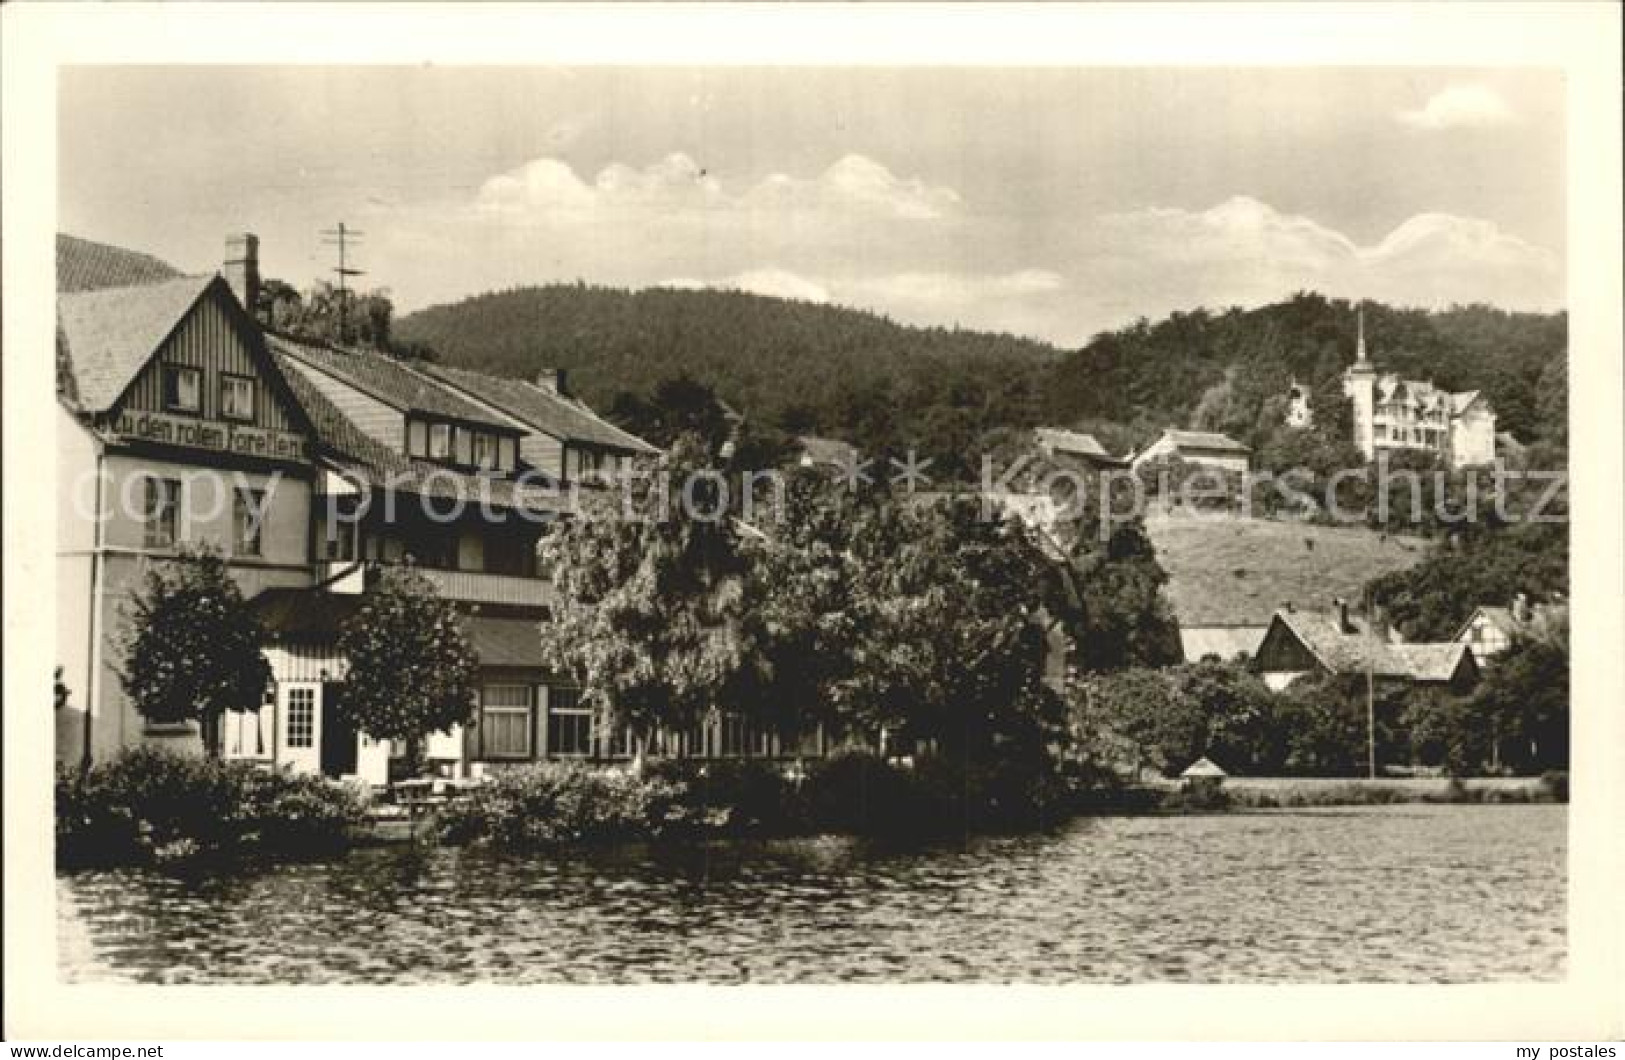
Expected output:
(1227, 570)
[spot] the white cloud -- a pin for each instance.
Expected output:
(857, 234)
(1459, 107)
(551, 189)
(1245, 252)
(1239, 227)
(774, 283)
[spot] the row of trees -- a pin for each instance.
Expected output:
(878, 619)
(1517, 720)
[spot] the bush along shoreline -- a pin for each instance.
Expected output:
(149, 807)
(551, 805)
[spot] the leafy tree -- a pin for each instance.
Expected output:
(192, 646)
(650, 591)
(1474, 567)
(1244, 733)
(410, 668)
(1136, 717)
(1525, 699)
(326, 314)
(1448, 730)
(1167, 718)
(950, 654)
(802, 622)
(678, 405)
(1121, 617)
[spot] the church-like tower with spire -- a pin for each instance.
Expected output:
(1410, 414)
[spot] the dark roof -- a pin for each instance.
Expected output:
(304, 613)
(387, 380)
(82, 265)
(543, 410)
(315, 614)
(1347, 652)
(107, 335)
(504, 641)
(371, 463)
(1074, 442)
(1205, 440)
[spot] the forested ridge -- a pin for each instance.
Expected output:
(819, 369)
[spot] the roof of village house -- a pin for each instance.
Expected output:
(1347, 651)
(1541, 617)
(386, 379)
(1206, 440)
(1074, 442)
(1391, 386)
(372, 463)
(827, 450)
(105, 337)
(543, 410)
(83, 265)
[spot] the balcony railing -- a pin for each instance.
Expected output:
(478, 587)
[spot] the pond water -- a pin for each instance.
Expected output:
(1371, 894)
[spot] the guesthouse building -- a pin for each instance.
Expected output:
(174, 426)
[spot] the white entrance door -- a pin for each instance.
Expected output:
(299, 726)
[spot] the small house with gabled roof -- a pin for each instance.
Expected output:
(1196, 447)
(1337, 642)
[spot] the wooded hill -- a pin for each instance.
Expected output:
(855, 375)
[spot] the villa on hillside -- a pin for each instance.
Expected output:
(1338, 642)
(1196, 447)
(1396, 414)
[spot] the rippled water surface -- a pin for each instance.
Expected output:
(1392, 894)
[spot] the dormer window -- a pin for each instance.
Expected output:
(183, 388)
(237, 397)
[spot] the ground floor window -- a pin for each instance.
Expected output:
(569, 723)
(505, 721)
(301, 717)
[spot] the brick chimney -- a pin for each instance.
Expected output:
(1341, 607)
(242, 269)
(1520, 608)
(552, 380)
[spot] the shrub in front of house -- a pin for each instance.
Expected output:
(148, 805)
(557, 803)
(738, 796)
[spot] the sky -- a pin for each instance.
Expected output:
(1046, 202)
